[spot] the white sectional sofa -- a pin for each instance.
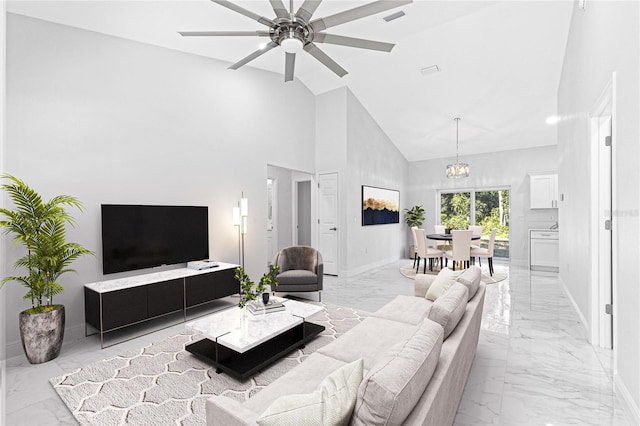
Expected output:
(416, 359)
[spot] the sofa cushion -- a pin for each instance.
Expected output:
(304, 378)
(393, 386)
(471, 279)
(368, 340)
(409, 309)
(449, 308)
(445, 279)
(331, 404)
(297, 276)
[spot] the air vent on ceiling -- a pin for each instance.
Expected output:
(393, 16)
(429, 70)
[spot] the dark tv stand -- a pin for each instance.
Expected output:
(115, 304)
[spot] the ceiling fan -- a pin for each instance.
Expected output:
(296, 32)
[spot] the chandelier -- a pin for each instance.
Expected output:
(458, 169)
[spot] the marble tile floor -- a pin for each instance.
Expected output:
(533, 365)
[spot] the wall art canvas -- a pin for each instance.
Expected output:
(380, 206)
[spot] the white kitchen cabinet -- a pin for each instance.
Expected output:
(543, 249)
(544, 191)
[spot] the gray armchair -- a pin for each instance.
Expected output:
(301, 269)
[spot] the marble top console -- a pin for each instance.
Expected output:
(153, 277)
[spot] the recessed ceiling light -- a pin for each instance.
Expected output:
(429, 70)
(393, 16)
(552, 119)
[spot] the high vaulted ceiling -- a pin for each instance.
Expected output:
(500, 61)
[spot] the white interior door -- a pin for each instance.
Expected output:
(605, 234)
(602, 221)
(328, 220)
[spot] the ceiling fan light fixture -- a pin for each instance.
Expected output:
(291, 45)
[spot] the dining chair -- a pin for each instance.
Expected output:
(486, 252)
(415, 245)
(425, 252)
(440, 229)
(460, 248)
(477, 230)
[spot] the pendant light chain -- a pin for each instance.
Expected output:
(457, 150)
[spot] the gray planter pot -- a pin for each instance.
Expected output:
(42, 335)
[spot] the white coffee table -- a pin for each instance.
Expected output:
(242, 345)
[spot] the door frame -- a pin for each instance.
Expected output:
(294, 205)
(600, 294)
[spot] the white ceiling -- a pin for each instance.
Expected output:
(500, 61)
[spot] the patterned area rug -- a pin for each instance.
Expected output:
(498, 275)
(162, 384)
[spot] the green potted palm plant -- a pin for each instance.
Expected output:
(40, 227)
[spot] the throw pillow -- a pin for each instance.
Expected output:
(449, 308)
(471, 278)
(442, 282)
(396, 382)
(331, 404)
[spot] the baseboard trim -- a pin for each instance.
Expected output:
(71, 334)
(625, 397)
(576, 309)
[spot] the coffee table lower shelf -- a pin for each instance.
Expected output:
(245, 365)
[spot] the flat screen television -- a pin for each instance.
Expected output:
(138, 237)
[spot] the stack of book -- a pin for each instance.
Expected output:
(259, 308)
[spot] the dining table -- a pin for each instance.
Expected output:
(447, 237)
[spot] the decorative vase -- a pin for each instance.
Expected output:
(42, 334)
(447, 231)
(265, 297)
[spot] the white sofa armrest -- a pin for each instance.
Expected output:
(422, 283)
(227, 412)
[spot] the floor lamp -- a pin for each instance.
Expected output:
(240, 216)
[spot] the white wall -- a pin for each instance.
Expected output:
(603, 38)
(114, 121)
(373, 160)
(499, 169)
(3, 305)
(350, 142)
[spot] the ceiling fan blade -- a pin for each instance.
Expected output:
(279, 9)
(223, 33)
(290, 63)
(353, 42)
(252, 56)
(326, 60)
(356, 13)
(307, 9)
(241, 10)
